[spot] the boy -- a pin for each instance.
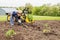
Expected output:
(15, 15)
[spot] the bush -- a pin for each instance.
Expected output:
(47, 10)
(30, 17)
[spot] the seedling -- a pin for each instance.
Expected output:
(46, 25)
(10, 33)
(46, 30)
(30, 17)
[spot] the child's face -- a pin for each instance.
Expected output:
(19, 14)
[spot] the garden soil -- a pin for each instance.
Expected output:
(32, 31)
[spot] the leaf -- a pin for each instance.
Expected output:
(9, 33)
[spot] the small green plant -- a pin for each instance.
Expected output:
(30, 17)
(46, 25)
(10, 33)
(46, 30)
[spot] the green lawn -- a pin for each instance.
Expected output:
(45, 18)
(4, 18)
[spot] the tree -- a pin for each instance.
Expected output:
(20, 8)
(29, 7)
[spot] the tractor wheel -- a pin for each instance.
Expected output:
(8, 18)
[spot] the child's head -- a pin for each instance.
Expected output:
(19, 13)
(7, 13)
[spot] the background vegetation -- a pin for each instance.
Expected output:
(47, 10)
(44, 10)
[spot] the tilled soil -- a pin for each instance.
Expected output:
(31, 31)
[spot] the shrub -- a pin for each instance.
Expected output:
(10, 33)
(30, 17)
(46, 10)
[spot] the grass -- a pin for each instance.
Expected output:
(45, 18)
(4, 18)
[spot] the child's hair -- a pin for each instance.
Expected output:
(6, 13)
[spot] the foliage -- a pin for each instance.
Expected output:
(44, 10)
(46, 25)
(30, 17)
(46, 31)
(20, 8)
(47, 10)
(29, 7)
(10, 33)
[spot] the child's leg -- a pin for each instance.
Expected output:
(11, 20)
(16, 18)
(19, 22)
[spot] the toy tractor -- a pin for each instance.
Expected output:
(25, 18)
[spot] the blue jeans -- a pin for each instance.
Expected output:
(11, 20)
(16, 19)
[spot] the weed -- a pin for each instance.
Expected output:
(46, 30)
(10, 33)
(46, 25)
(30, 17)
